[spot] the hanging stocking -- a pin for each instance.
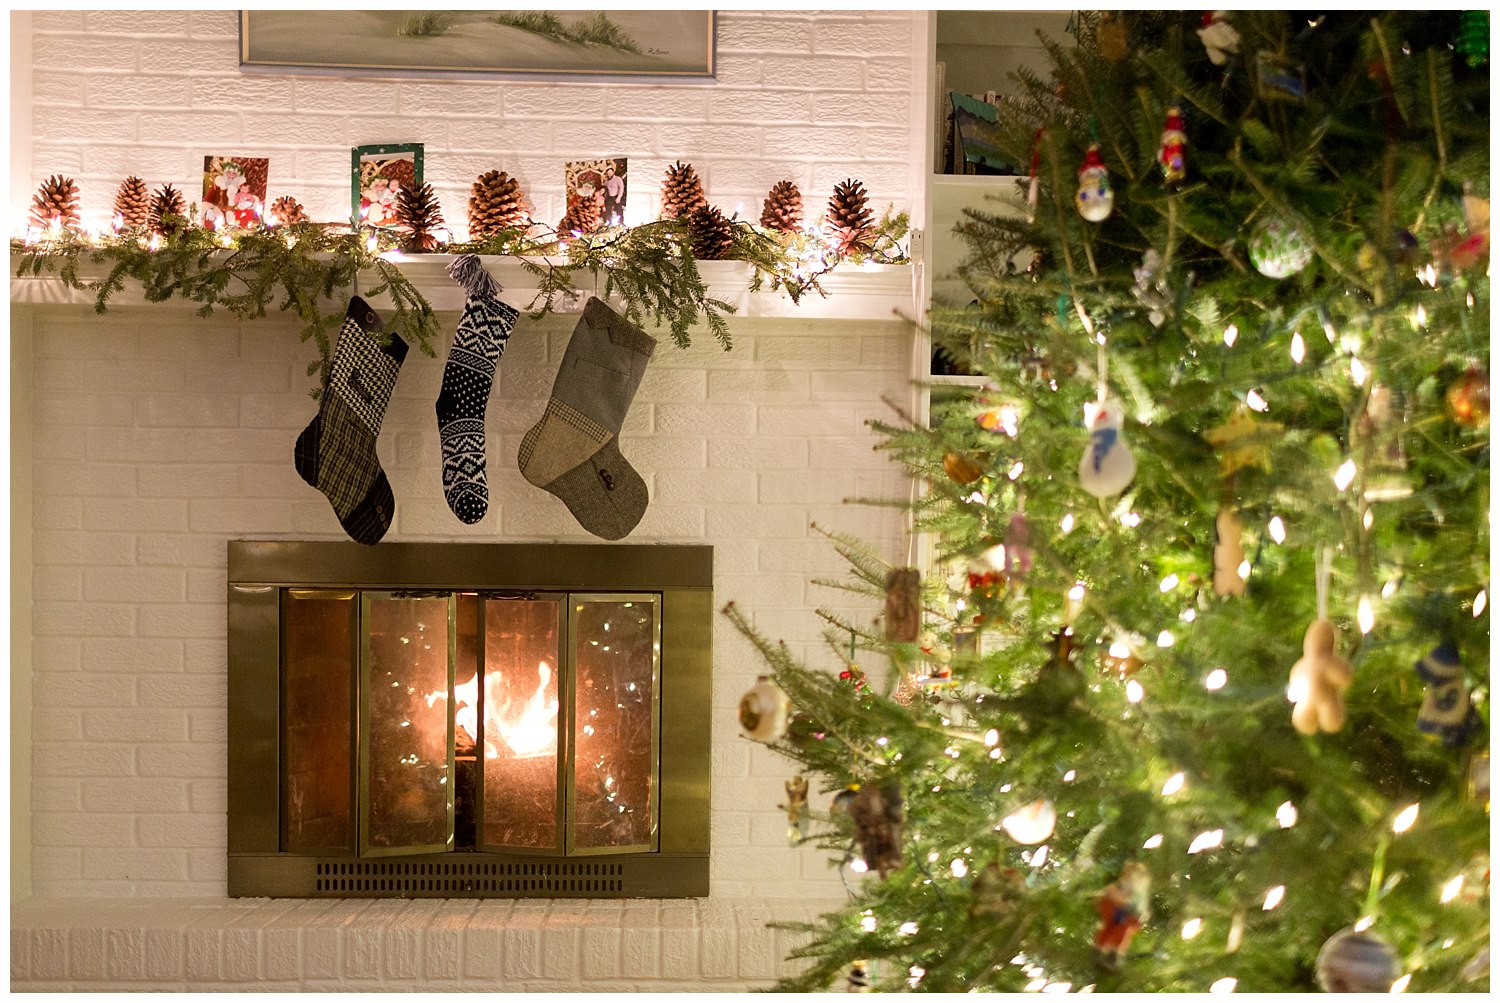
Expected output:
(336, 452)
(467, 380)
(574, 450)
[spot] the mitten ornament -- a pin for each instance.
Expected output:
(1124, 907)
(903, 609)
(1173, 153)
(765, 711)
(1318, 681)
(1446, 712)
(1095, 199)
(1228, 554)
(574, 451)
(336, 452)
(1107, 465)
(483, 331)
(878, 814)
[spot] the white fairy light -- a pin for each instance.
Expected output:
(1363, 923)
(1358, 372)
(1344, 476)
(882, 741)
(1480, 601)
(858, 865)
(1273, 898)
(1366, 615)
(1286, 815)
(932, 857)
(1328, 331)
(907, 929)
(1131, 519)
(1256, 401)
(1035, 986)
(1216, 680)
(1174, 784)
(1299, 348)
(1428, 275)
(977, 498)
(1165, 639)
(1192, 928)
(1389, 588)
(914, 975)
(1188, 615)
(1015, 470)
(1368, 519)
(1406, 819)
(1399, 986)
(1451, 889)
(1208, 840)
(1278, 529)
(957, 867)
(1169, 583)
(1230, 334)
(1134, 692)
(991, 738)
(1420, 317)
(867, 924)
(1224, 985)
(1057, 987)
(1009, 420)
(1153, 843)
(1243, 570)
(1067, 523)
(1039, 857)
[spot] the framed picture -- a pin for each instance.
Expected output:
(234, 191)
(376, 176)
(602, 181)
(662, 43)
(977, 137)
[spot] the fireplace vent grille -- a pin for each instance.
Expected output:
(423, 878)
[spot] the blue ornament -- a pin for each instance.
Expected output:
(1446, 712)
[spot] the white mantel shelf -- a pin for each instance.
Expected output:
(854, 292)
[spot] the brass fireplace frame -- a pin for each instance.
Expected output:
(680, 576)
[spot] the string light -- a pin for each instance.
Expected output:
(1399, 986)
(858, 865)
(1389, 588)
(1344, 476)
(1165, 639)
(1169, 583)
(1273, 898)
(1480, 601)
(1299, 348)
(1406, 819)
(1256, 401)
(1224, 985)
(1286, 815)
(1192, 928)
(1188, 615)
(991, 738)
(957, 867)
(1067, 523)
(1134, 692)
(1420, 317)
(1209, 840)
(867, 923)
(1243, 570)
(1363, 923)
(1216, 680)
(914, 975)
(1231, 333)
(1016, 470)
(1278, 529)
(907, 929)
(1152, 843)
(1366, 615)
(1174, 784)
(1358, 372)
(1451, 889)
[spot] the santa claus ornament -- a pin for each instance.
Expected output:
(1095, 199)
(1172, 156)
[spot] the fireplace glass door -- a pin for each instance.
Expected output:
(416, 723)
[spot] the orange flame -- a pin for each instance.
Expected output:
(529, 730)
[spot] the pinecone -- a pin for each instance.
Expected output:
(783, 208)
(681, 192)
(287, 211)
(848, 220)
(583, 216)
(167, 201)
(712, 235)
(418, 214)
(56, 200)
(133, 204)
(496, 204)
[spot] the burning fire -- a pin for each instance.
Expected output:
(529, 729)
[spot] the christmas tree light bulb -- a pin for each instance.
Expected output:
(1278, 529)
(1451, 889)
(914, 975)
(1209, 840)
(1243, 570)
(1358, 372)
(1363, 923)
(867, 924)
(1231, 333)
(1299, 348)
(1192, 928)
(1039, 857)
(1406, 819)
(1216, 680)
(1134, 692)
(1366, 615)
(1273, 898)
(1286, 815)
(1165, 639)
(1368, 519)
(1016, 470)
(991, 738)
(1153, 843)
(907, 929)
(1344, 476)
(1224, 985)
(1067, 523)
(1174, 784)
(1169, 583)
(1256, 401)
(1399, 986)
(1481, 600)
(1419, 318)
(957, 867)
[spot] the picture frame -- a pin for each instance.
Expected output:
(976, 137)
(376, 174)
(234, 191)
(466, 43)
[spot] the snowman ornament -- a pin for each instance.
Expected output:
(1107, 465)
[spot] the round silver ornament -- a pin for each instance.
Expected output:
(765, 711)
(1357, 961)
(1278, 249)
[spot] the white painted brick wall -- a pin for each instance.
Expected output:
(144, 470)
(810, 96)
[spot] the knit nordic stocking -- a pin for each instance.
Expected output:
(573, 451)
(336, 452)
(468, 377)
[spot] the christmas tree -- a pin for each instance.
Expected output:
(1193, 694)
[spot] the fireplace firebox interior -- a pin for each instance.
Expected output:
(468, 720)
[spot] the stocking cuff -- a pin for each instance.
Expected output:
(469, 272)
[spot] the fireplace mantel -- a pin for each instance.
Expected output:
(854, 292)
